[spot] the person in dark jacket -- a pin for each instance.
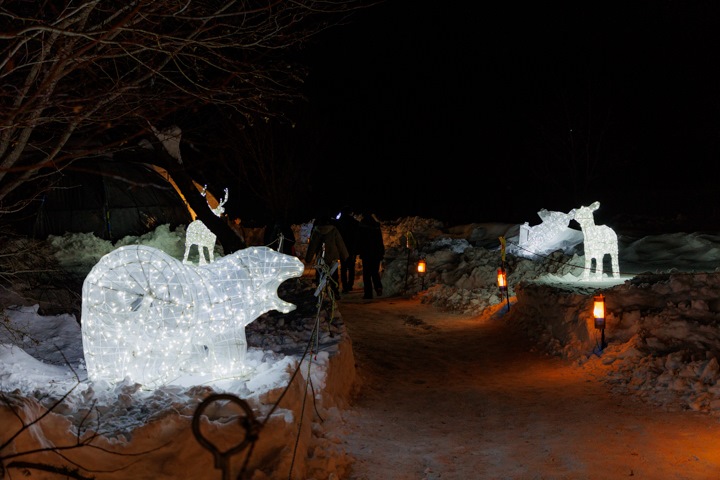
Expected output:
(327, 244)
(371, 249)
(348, 226)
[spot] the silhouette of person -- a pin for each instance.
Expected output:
(348, 226)
(371, 249)
(327, 244)
(272, 237)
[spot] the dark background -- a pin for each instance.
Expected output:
(475, 113)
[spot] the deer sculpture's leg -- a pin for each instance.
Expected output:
(210, 245)
(201, 254)
(187, 252)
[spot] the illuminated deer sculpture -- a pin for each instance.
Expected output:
(600, 240)
(198, 234)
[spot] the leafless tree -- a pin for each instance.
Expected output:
(84, 78)
(572, 135)
(55, 458)
(271, 162)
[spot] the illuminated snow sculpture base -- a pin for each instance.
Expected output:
(541, 239)
(599, 240)
(149, 317)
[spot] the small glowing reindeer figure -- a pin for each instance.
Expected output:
(600, 240)
(198, 234)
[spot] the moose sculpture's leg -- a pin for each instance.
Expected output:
(599, 263)
(615, 266)
(588, 266)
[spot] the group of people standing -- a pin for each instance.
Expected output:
(342, 240)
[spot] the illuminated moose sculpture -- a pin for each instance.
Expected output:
(537, 239)
(198, 234)
(600, 240)
(148, 316)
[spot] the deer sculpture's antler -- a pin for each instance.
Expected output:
(219, 210)
(224, 199)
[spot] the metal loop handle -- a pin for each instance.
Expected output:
(252, 429)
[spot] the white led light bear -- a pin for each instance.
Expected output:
(198, 234)
(149, 317)
(599, 240)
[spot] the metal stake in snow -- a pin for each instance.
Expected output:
(410, 245)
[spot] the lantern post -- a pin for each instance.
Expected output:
(502, 284)
(421, 269)
(599, 314)
(502, 274)
(410, 245)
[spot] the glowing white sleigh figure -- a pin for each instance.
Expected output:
(149, 317)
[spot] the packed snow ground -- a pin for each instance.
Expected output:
(663, 335)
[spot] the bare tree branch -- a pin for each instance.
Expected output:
(82, 78)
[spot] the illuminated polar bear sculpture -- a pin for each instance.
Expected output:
(149, 317)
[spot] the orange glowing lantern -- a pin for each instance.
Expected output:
(502, 279)
(422, 266)
(599, 311)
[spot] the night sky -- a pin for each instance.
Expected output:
(473, 113)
